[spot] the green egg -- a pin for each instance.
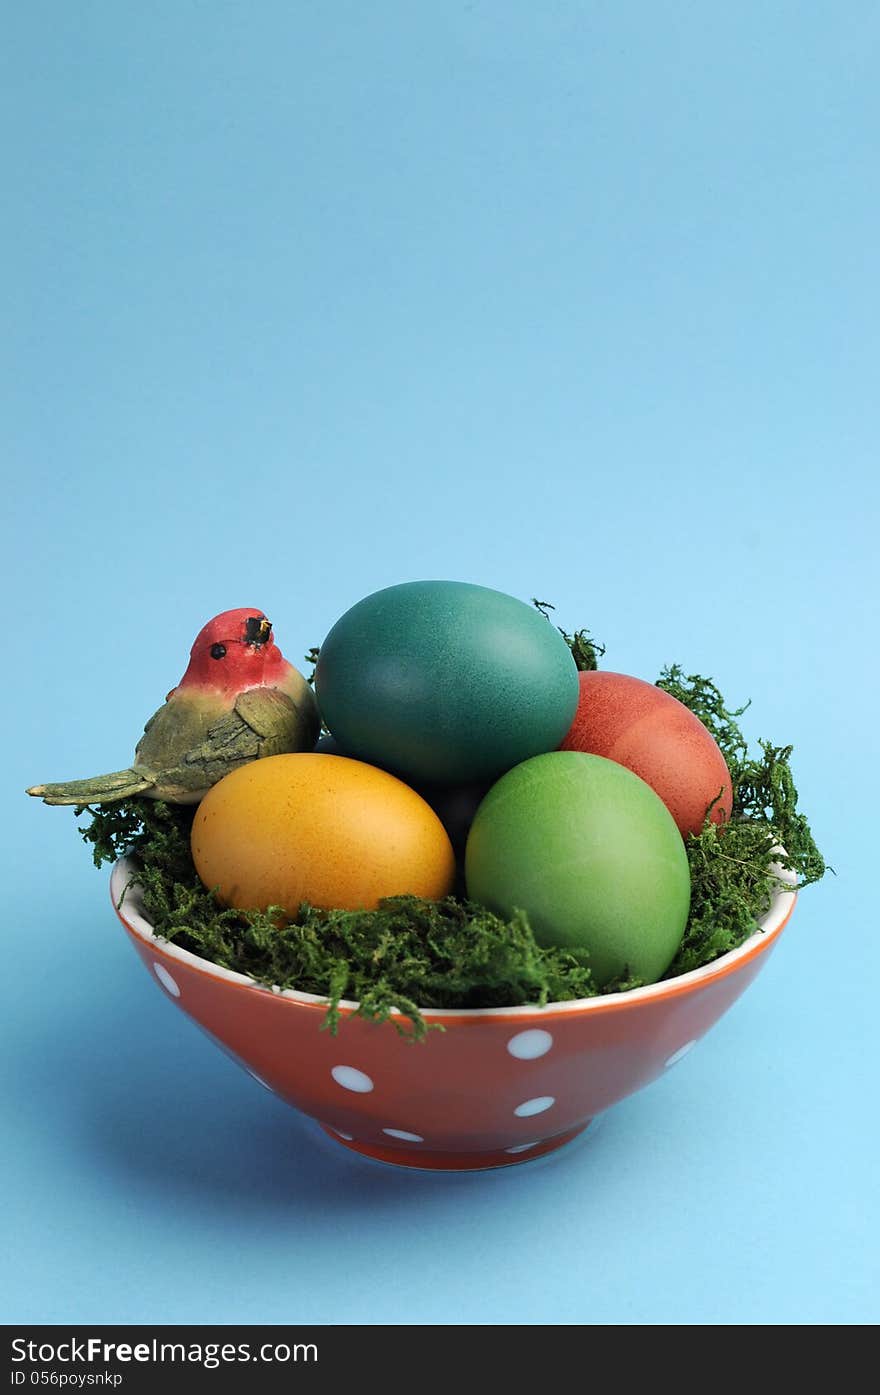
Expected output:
(591, 854)
(445, 682)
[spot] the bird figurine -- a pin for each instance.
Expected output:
(239, 700)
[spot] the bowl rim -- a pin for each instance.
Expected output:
(769, 927)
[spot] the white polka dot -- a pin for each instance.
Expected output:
(402, 1133)
(351, 1079)
(166, 980)
(528, 1046)
(349, 1137)
(259, 1079)
(535, 1106)
(523, 1147)
(680, 1053)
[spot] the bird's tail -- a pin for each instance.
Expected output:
(120, 784)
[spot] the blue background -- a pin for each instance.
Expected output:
(576, 300)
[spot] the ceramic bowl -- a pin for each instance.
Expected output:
(497, 1086)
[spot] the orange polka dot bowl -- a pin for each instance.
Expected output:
(496, 1087)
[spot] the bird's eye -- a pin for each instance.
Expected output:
(218, 651)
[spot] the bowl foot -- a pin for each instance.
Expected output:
(457, 1162)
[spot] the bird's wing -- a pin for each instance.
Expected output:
(271, 715)
(227, 741)
(186, 748)
(259, 724)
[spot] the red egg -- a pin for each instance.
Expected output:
(656, 736)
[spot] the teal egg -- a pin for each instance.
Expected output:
(591, 854)
(445, 682)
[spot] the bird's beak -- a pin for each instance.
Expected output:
(257, 630)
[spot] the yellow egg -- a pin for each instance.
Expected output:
(334, 832)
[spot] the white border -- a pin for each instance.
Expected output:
(769, 925)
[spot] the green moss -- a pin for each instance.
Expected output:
(585, 650)
(733, 868)
(412, 954)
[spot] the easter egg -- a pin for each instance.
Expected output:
(445, 682)
(318, 828)
(656, 736)
(591, 854)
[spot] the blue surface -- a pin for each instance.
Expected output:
(577, 301)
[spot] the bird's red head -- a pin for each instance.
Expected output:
(233, 652)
